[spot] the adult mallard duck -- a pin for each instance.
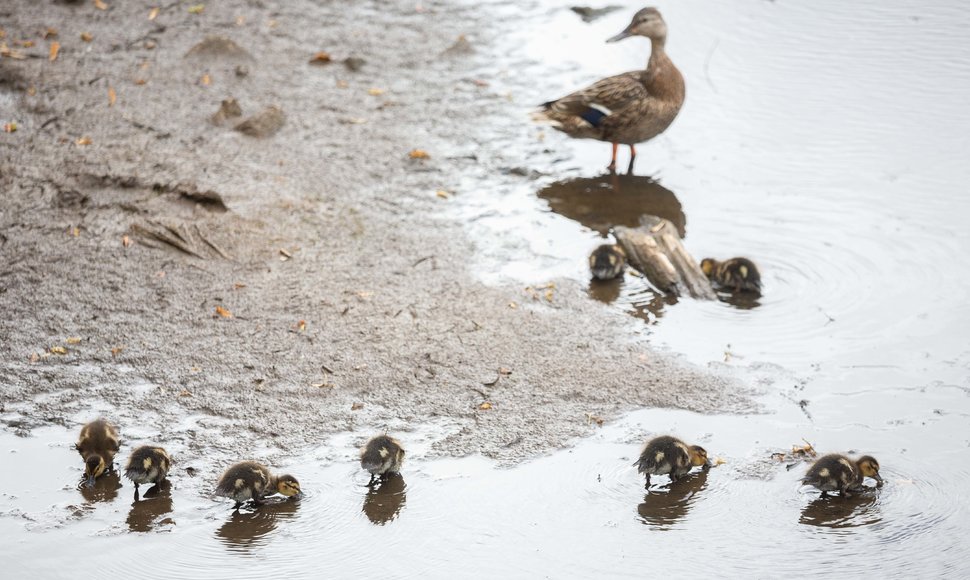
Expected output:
(629, 108)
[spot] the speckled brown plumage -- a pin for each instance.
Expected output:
(148, 464)
(628, 108)
(249, 480)
(607, 262)
(666, 455)
(382, 455)
(736, 274)
(836, 472)
(98, 443)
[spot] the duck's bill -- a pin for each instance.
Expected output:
(878, 478)
(619, 36)
(89, 481)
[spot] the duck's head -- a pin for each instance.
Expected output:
(647, 22)
(94, 466)
(869, 467)
(698, 456)
(288, 485)
(708, 266)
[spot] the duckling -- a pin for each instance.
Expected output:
(836, 472)
(148, 464)
(628, 108)
(381, 455)
(666, 455)
(607, 261)
(739, 274)
(97, 445)
(249, 480)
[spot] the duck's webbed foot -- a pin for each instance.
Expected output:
(612, 166)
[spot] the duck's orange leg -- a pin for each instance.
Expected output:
(633, 156)
(612, 166)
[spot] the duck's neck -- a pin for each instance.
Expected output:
(662, 78)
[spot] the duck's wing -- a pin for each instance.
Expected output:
(599, 100)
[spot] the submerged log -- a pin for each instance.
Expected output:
(655, 249)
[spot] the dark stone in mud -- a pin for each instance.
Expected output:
(218, 47)
(589, 14)
(242, 71)
(229, 109)
(263, 124)
(354, 63)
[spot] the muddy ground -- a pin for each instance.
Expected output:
(328, 221)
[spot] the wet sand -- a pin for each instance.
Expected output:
(345, 283)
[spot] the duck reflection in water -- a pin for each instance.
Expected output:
(859, 509)
(104, 489)
(154, 503)
(601, 203)
(663, 507)
(384, 501)
(247, 529)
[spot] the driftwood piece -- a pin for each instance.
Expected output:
(655, 249)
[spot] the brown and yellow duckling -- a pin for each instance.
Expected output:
(382, 455)
(666, 455)
(628, 108)
(736, 274)
(249, 480)
(836, 472)
(607, 262)
(97, 445)
(148, 464)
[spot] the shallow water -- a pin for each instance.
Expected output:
(824, 141)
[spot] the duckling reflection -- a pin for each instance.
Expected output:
(246, 530)
(606, 291)
(384, 501)
(104, 489)
(155, 503)
(844, 512)
(651, 303)
(600, 203)
(665, 506)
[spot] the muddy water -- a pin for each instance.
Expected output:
(826, 142)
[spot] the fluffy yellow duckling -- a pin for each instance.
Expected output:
(666, 455)
(607, 262)
(736, 274)
(835, 472)
(148, 465)
(249, 480)
(381, 455)
(97, 445)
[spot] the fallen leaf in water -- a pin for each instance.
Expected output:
(83, 141)
(197, 9)
(87, 37)
(442, 194)
(185, 393)
(485, 406)
(419, 154)
(153, 14)
(223, 312)
(55, 48)
(57, 350)
(73, 340)
(50, 32)
(206, 80)
(100, 5)
(10, 127)
(320, 58)
(375, 92)
(356, 406)
(117, 350)
(125, 241)
(112, 96)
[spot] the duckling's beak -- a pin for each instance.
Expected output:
(619, 36)
(89, 482)
(878, 479)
